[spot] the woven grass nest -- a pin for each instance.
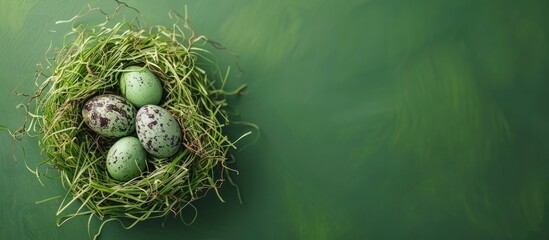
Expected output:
(90, 64)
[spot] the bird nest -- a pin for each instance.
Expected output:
(89, 64)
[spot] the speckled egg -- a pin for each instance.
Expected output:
(109, 115)
(140, 86)
(158, 131)
(126, 159)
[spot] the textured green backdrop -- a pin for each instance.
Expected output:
(389, 119)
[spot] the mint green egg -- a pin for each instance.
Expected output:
(126, 159)
(140, 86)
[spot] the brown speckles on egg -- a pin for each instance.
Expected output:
(103, 121)
(109, 115)
(158, 131)
(126, 159)
(140, 86)
(152, 124)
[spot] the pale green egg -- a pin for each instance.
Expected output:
(140, 86)
(126, 159)
(109, 115)
(158, 131)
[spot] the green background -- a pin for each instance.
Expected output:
(388, 119)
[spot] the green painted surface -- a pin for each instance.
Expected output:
(420, 119)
